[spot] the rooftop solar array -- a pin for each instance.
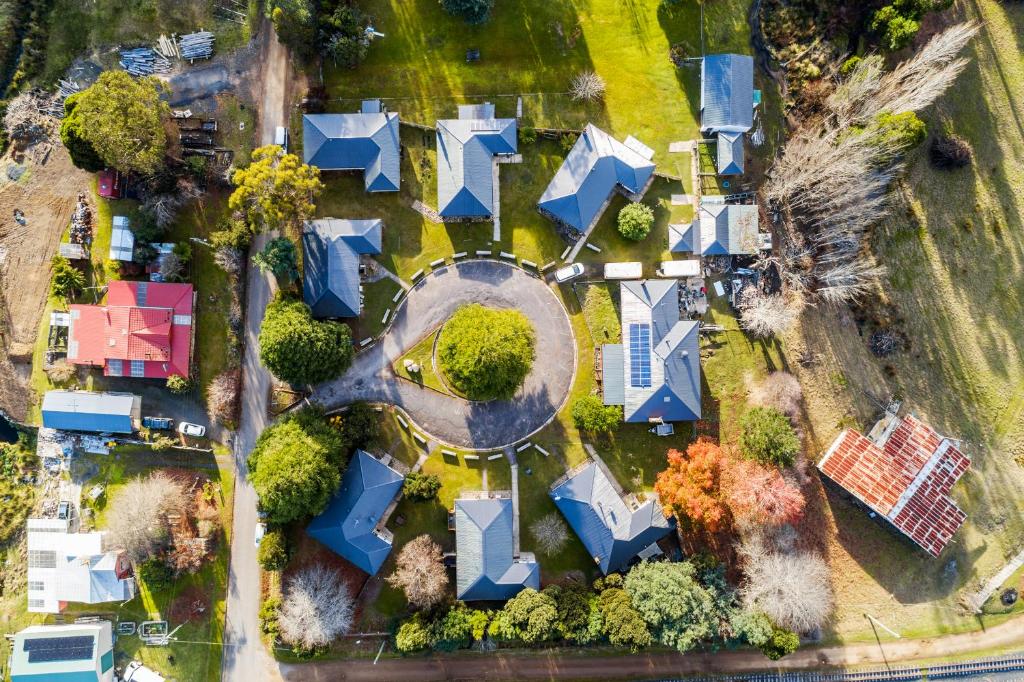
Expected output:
(51, 649)
(640, 355)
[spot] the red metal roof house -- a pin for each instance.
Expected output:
(144, 330)
(904, 472)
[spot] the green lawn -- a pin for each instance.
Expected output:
(378, 298)
(423, 355)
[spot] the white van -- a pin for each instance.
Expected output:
(281, 137)
(623, 270)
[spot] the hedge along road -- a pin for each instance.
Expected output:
(476, 425)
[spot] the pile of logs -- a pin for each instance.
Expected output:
(196, 45)
(144, 61)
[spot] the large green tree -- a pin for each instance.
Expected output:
(680, 610)
(486, 353)
(529, 617)
(72, 135)
(276, 190)
(122, 118)
(301, 350)
(280, 257)
(635, 221)
(620, 622)
(590, 414)
(295, 23)
(767, 436)
(294, 472)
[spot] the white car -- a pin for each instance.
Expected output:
(281, 137)
(569, 272)
(190, 429)
(261, 530)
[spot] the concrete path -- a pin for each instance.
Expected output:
(488, 425)
(995, 582)
(245, 658)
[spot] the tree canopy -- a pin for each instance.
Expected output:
(691, 486)
(672, 601)
(590, 414)
(122, 119)
(486, 353)
(473, 11)
(622, 623)
(767, 436)
(67, 279)
(636, 221)
(276, 190)
(529, 617)
(72, 135)
(301, 350)
(420, 487)
(280, 257)
(294, 470)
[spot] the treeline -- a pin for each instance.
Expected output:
(335, 29)
(24, 25)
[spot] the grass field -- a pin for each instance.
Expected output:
(422, 354)
(955, 253)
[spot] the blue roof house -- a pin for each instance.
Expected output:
(89, 411)
(718, 230)
(597, 166)
(614, 528)
(330, 250)
(83, 652)
(466, 151)
(488, 564)
(727, 106)
(368, 141)
(352, 523)
(655, 372)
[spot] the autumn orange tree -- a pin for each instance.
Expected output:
(691, 486)
(760, 496)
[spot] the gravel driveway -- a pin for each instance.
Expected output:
(487, 425)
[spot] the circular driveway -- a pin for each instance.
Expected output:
(488, 425)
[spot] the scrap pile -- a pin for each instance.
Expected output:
(65, 89)
(167, 47)
(81, 222)
(196, 45)
(144, 61)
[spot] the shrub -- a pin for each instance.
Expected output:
(527, 135)
(272, 554)
(486, 353)
(949, 151)
(567, 141)
(849, 65)
(636, 221)
(420, 487)
(280, 257)
(899, 132)
(178, 384)
(61, 371)
(268, 616)
(66, 278)
(472, 11)
(590, 414)
(156, 574)
(767, 436)
(162, 443)
(529, 617)
(413, 635)
(360, 424)
(895, 30)
(300, 350)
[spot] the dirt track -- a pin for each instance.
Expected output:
(46, 193)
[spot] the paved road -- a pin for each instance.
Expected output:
(566, 666)
(245, 658)
(459, 422)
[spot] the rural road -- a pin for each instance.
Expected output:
(565, 666)
(488, 425)
(245, 658)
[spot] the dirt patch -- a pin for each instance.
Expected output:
(190, 604)
(46, 192)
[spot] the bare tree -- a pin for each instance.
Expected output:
(222, 396)
(587, 87)
(137, 520)
(228, 259)
(763, 315)
(780, 390)
(171, 267)
(793, 589)
(420, 573)
(61, 371)
(550, 532)
(317, 607)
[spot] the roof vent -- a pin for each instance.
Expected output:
(685, 353)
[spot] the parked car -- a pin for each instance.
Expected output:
(190, 429)
(63, 510)
(569, 272)
(261, 530)
(161, 423)
(281, 137)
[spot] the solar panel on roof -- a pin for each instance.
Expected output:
(640, 355)
(49, 649)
